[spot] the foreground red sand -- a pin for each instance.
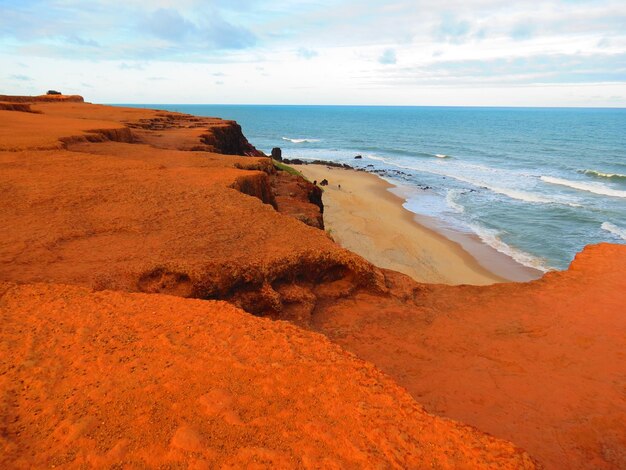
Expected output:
(108, 378)
(132, 200)
(542, 363)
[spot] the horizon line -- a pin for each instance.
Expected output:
(367, 105)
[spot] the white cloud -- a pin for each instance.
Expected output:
(388, 57)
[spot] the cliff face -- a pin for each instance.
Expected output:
(208, 221)
(298, 198)
(130, 200)
(43, 99)
(228, 138)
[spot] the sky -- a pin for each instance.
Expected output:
(343, 52)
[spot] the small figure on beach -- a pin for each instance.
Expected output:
(315, 182)
(339, 186)
(324, 182)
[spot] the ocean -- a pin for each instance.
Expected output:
(536, 184)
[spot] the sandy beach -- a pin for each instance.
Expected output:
(364, 216)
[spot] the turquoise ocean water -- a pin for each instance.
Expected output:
(536, 184)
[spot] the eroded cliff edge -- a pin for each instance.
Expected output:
(133, 201)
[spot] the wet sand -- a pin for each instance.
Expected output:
(363, 216)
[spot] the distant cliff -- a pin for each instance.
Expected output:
(43, 99)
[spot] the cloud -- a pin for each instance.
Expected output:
(184, 30)
(522, 32)
(307, 54)
(135, 66)
(209, 31)
(73, 39)
(452, 30)
(455, 43)
(167, 23)
(542, 69)
(21, 78)
(388, 57)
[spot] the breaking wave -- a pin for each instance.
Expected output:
(509, 192)
(582, 186)
(451, 196)
(614, 229)
(599, 174)
(491, 238)
(441, 155)
(300, 141)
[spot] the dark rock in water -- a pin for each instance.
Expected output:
(53, 92)
(294, 161)
(332, 164)
(297, 161)
(358, 157)
(277, 154)
(324, 182)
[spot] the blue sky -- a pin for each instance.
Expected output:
(399, 52)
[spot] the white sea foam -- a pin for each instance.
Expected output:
(451, 197)
(441, 155)
(582, 186)
(599, 174)
(614, 229)
(509, 192)
(491, 238)
(518, 194)
(300, 141)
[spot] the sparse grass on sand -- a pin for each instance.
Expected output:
(281, 166)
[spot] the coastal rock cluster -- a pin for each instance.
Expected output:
(140, 248)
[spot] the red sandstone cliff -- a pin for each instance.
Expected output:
(42, 99)
(131, 200)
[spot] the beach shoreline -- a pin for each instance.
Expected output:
(365, 215)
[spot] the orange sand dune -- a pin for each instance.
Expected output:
(112, 379)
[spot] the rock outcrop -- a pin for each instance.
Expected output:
(277, 154)
(20, 107)
(229, 139)
(298, 198)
